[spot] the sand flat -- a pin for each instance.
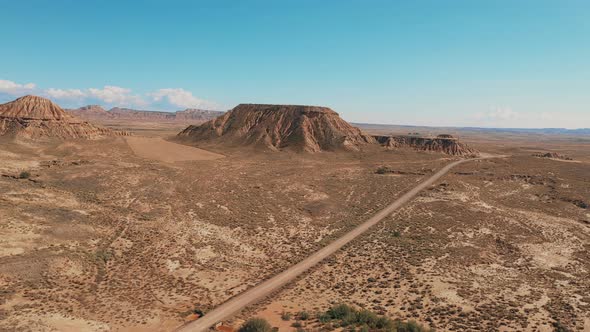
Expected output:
(159, 149)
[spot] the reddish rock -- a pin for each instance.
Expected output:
(280, 127)
(552, 155)
(441, 143)
(35, 117)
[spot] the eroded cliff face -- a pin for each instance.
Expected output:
(35, 117)
(280, 127)
(441, 143)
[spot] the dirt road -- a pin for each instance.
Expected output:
(254, 294)
(159, 149)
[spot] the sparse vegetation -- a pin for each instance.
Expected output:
(558, 327)
(103, 255)
(382, 170)
(286, 315)
(255, 325)
(198, 312)
(24, 175)
(303, 315)
(351, 318)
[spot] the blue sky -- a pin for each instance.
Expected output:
(465, 63)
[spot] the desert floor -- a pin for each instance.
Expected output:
(108, 236)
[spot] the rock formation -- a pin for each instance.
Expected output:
(193, 114)
(441, 143)
(131, 114)
(36, 117)
(91, 112)
(280, 127)
(552, 155)
(95, 112)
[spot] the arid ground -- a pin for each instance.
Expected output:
(105, 235)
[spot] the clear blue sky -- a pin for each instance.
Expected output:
(486, 63)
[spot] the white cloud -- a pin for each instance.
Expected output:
(505, 117)
(110, 95)
(181, 98)
(65, 93)
(499, 114)
(12, 88)
(116, 95)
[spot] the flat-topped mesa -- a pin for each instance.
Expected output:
(193, 114)
(128, 113)
(36, 117)
(442, 143)
(280, 127)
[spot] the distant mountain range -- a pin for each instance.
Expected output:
(96, 112)
(541, 131)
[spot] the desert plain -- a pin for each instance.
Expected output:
(138, 232)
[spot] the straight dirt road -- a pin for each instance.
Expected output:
(254, 294)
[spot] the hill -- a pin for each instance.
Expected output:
(37, 117)
(95, 112)
(279, 127)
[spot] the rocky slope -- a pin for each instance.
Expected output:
(36, 117)
(95, 112)
(280, 127)
(441, 143)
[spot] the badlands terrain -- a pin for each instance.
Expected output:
(137, 225)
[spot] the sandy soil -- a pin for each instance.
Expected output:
(159, 149)
(104, 238)
(502, 246)
(100, 239)
(238, 303)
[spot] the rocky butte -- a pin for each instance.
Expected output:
(279, 127)
(36, 117)
(551, 155)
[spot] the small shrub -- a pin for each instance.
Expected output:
(304, 315)
(366, 317)
(340, 311)
(558, 327)
(410, 326)
(382, 170)
(24, 175)
(285, 315)
(297, 324)
(396, 234)
(324, 317)
(103, 255)
(349, 319)
(255, 325)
